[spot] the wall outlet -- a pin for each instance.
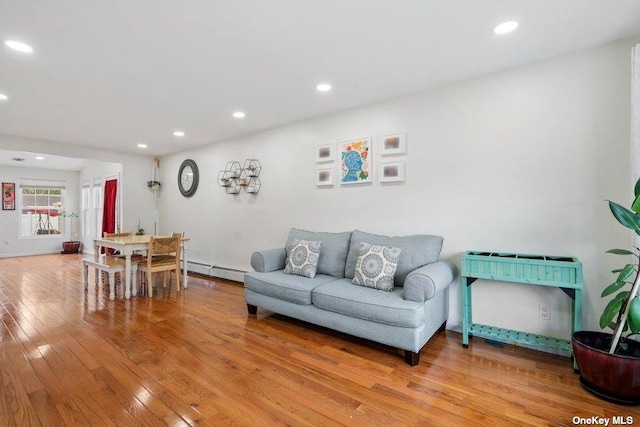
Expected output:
(545, 312)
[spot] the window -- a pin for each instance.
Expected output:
(92, 208)
(41, 203)
(97, 207)
(86, 206)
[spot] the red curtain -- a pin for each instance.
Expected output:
(109, 207)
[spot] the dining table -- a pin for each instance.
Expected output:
(127, 245)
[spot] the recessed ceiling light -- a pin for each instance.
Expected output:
(19, 46)
(178, 133)
(39, 158)
(239, 115)
(3, 97)
(323, 87)
(505, 27)
(142, 145)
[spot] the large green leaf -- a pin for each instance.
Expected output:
(625, 216)
(622, 295)
(634, 315)
(614, 287)
(635, 206)
(626, 272)
(619, 252)
(636, 189)
(610, 311)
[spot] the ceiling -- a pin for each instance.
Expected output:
(40, 161)
(118, 73)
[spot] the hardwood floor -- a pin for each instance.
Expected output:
(70, 357)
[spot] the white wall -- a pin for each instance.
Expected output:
(518, 161)
(137, 200)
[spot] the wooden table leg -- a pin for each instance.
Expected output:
(127, 275)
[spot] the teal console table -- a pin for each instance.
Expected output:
(559, 272)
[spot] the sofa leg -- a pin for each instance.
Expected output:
(443, 327)
(411, 358)
(252, 309)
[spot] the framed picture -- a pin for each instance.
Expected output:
(392, 171)
(8, 196)
(325, 153)
(324, 176)
(355, 161)
(393, 144)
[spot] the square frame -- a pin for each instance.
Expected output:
(355, 161)
(325, 153)
(8, 196)
(392, 171)
(324, 176)
(393, 144)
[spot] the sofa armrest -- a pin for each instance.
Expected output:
(268, 260)
(425, 282)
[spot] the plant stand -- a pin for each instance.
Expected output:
(560, 272)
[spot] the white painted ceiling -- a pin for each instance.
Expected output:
(47, 161)
(113, 74)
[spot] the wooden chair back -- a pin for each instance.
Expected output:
(163, 254)
(108, 235)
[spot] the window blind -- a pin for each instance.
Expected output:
(42, 183)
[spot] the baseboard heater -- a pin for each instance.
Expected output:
(212, 270)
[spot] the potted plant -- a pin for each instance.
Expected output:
(140, 231)
(70, 246)
(610, 363)
(154, 185)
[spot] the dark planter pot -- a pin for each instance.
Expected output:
(70, 247)
(613, 377)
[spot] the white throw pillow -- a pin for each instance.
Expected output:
(303, 258)
(376, 266)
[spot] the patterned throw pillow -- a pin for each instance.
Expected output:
(303, 258)
(376, 266)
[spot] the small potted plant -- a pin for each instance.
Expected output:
(154, 185)
(140, 231)
(70, 246)
(610, 363)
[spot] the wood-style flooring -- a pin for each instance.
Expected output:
(70, 357)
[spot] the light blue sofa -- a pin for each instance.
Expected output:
(405, 318)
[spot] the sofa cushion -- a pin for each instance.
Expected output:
(341, 296)
(283, 286)
(303, 258)
(416, 251)
(376, 266)
(333, 254)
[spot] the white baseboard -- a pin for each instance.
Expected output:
(216, 271)
(19, 254)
